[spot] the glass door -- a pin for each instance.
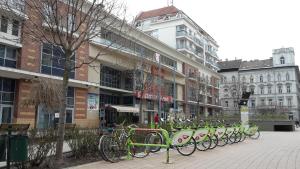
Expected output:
(6, 112)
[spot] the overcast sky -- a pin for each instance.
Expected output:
(247, 29)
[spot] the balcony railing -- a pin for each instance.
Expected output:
(18, 5)
(193, 38)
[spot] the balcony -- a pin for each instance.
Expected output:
(16, 6)
(196, 40)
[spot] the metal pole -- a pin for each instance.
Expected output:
(174, 89)
(8, 147)
(159, 89)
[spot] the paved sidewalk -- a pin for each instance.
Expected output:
(273, 150)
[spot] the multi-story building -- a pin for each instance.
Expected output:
(109, 85)
(273, 83)
(174, 28)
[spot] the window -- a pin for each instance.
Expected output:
(46, 117)
(150, 105)
(280, 89)
(280, 102)
(169, 62)
(261, 78)
(287, 76)
(234, 93)
(110, 77)
(225, 90)
(8, 56)
(270, 102)
(53, 61)
(262, 102)
(225, 79)
(288, 89)
(233, 78)
(252, 103)
(226, 104)
(15, 28)
(251, 79)
(244, 79)
(4, 24)
(289, 101)
(269, 89)
(235, 104)
(279, 77)
(262, 90)
(7, 97)
(244, 89)
(269, 77)
(7, 91)
(252, 88)
(282, 60)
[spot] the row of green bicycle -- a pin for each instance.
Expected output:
(183, 135)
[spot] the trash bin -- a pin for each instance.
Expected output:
(2, 147)
(18, 148)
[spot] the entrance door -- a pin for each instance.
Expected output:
(69, 115)
(6, 112)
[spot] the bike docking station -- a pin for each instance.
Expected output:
(179, 138)
(134, 131)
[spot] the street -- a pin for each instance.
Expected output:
(273, 150)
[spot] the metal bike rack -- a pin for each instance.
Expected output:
(164, 134)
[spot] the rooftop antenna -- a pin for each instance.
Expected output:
(170, 2)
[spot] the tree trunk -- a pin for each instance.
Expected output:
(62, 113)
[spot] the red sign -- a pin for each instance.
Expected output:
(153, 97)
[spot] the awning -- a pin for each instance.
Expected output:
(124, 109)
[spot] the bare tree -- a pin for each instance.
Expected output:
(68, 25)
(144, 80)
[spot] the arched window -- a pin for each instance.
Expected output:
(233, 78)
(287, 76)
(261, 78)
(282, 60)
(269, 77)
(279, 77)
(251, 79)
(244, 79)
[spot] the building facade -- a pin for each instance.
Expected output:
(174, 28)
(108, 91)
(273, 83)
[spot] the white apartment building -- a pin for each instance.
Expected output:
(173, 27)
(273, 83)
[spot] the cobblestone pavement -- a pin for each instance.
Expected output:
(273, 150)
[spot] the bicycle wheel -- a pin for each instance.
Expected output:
(188, 148)
(238, 137)
(154, 138)
(243, 137)
(205, 144)
(223, 141)
(110, 149)
(231, 138)
(100, 147)
(214, 141)
(255, 135)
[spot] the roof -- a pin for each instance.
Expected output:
(157, 12)
(256, 64)
(231, 64)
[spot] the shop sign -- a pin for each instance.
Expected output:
(153, 97)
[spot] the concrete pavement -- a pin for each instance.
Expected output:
(273, 150)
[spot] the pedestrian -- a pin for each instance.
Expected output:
(156, 120)
(297, 123)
